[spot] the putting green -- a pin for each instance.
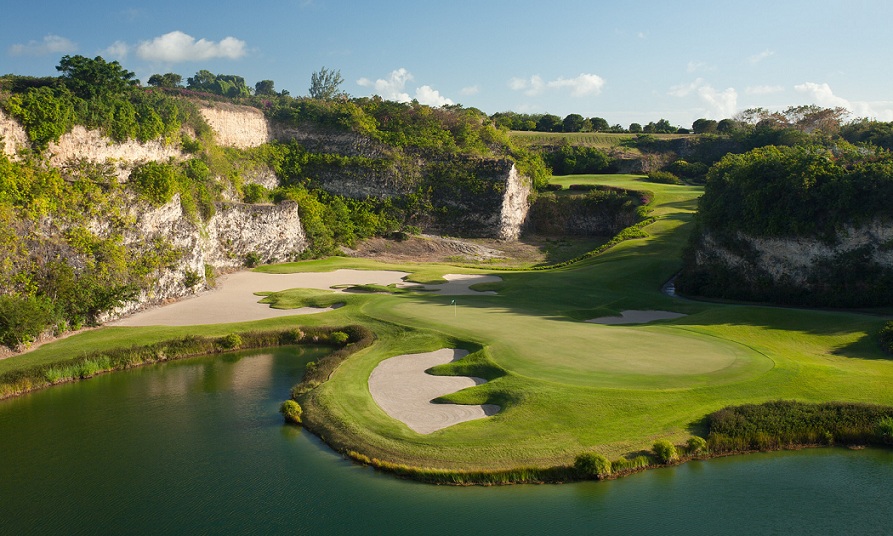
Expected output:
(578, 353)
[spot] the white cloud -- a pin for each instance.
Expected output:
(822, 95)
(582, 85)
(51, 44)
(117, 50)
(177, 47)
(391, 88)
(470, 90)
(721, 104)
(394, 88)
(757, 58)
(763, 90)
(431, 97)
(642, 35)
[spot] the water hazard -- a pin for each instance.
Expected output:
(198, 447)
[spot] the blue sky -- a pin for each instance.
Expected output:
(635, 61)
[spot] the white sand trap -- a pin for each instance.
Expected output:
(459, 284)
(636, 317)
(401, 388)
(234, 300)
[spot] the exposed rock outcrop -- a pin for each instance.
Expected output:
(854, 269)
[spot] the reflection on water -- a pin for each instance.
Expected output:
(197, 446)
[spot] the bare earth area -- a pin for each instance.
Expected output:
(402, 388)
(234, 299)
(636, 317)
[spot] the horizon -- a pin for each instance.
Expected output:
(626, 64)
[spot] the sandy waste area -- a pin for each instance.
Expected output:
(402, 388)
(234, 299)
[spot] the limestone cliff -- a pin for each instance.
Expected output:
(855, 268)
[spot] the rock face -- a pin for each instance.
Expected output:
(237, 126)
(271, 232)
(12, 135)
(853, 269)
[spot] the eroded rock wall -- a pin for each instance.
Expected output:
(855, 268)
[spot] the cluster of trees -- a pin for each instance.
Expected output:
(97, 94)
(577, 123)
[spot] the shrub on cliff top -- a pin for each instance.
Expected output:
(665, 451)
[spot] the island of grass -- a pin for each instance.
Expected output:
(564, 387)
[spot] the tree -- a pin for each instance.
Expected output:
(664, 127)
(635, 128)
(264, 87)
(599, 124)
(549, 123)
(325, 83)
(704, 126)
(168, 80)
(89, 79)
(727, 126)
(202, 81)
(573, 123)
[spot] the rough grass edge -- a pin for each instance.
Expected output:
(21, 381)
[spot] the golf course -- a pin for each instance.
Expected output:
(563, 380)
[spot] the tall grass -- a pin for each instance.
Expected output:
(786, 424)
(20, 381)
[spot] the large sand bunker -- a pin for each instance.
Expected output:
(402, 388)
(636, 317)
(234, 299)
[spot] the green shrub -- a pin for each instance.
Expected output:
(884, 430)
(22, 319)
(664, 451)
(696, 446)
(231, 341)
(592, 465)
(191, 278)
(663, 177)
(340, 338)
(255, 193)
(291, 411)
(252, 259)
(886, 336)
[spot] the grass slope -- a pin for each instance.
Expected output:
(565, 386)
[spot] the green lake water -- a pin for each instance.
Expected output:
(197, 447)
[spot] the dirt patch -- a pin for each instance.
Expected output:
(527, 251)
(401, 387)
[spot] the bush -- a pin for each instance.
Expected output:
(665, 451)
(886, 336)
(252, 259)
(592, 465)
(696, 446)
(231, 341)
(884, 430)
(663, 177)
(22, 319)
(340, 338)
(291, 411)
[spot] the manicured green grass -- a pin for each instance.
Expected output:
(565, 386)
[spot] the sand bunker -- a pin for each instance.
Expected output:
(636, 317)
(234, 300)
(401, 388)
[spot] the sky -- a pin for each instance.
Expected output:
(632, 61)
